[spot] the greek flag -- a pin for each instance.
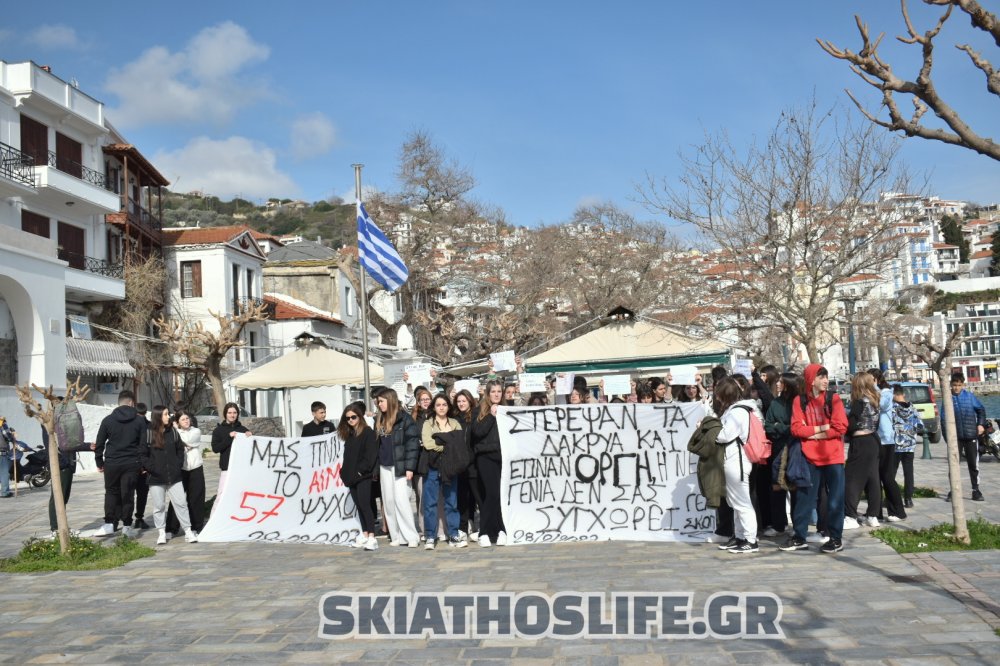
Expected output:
(377, 254)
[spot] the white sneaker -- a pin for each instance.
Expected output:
(473, 536)
(397, 543)
(161, 540)
(484, 541)
(851, 523)
(894, 519)
(413, 545)
(502, 539)
(191, 536)
(429, 544)
(107, 529)
(129, 531)
(360, 542)
(371, 544)
(770, 532)
(463, 536)
(715, 538)
(817, 537)
(872, 521)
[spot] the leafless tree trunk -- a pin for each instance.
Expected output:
(917, 337)
(869, 65)
(207, 349)
(47, 417)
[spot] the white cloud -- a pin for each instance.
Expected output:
(54, 37)
(200, 83)
(226, 168)
(312, 135)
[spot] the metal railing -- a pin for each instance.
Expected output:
(82, 262)
(143, 216)
(76, 169)
(16, 166)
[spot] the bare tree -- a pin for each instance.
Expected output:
(918, 337)
(792, 218)
(207, 349)
(46, 415)
(869, 65)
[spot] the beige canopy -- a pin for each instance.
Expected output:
(310, 366)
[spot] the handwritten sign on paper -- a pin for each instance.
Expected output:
(504, 361)
(532, 382)
(617, 385)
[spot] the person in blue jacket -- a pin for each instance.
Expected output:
(970, 423)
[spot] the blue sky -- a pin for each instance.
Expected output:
(549, 104)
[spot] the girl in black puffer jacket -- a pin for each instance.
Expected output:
(398, 448)
(162, 460)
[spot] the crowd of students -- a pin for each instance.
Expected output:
(446, 448)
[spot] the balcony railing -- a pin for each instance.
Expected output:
(82, 262)
(76, 169)
(249, 302)
(143, 216)
(16, 166)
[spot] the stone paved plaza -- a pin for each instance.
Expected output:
(252, 602)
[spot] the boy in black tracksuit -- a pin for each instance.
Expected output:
(117, 449)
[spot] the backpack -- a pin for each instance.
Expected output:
(69, 426)
(757, 447)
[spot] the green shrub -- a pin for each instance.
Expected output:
(82, 555)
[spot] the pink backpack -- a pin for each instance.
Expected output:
(757, 447)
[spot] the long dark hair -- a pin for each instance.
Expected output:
(465, 417)
(879, 378)
(225, 410)
(790, 387)
(727, 393)
(159, 428)
(344, 429)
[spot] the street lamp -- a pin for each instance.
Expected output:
(849, 302)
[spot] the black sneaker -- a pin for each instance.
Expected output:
(908, 504)
(977, 496)
(794, 543)
(745, 547)
(948, 498)
(141, 524)
(832, 546)
(729, 545)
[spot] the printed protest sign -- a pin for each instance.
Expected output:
(286, 490)
(564, 383)
(742, 366)
(418, 374)
(531, 382)
(470, 385)
(683, 375)
(600, 472)
(504, 361)
(617, 385)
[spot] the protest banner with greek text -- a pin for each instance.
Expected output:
(285, 490)
(600, 472)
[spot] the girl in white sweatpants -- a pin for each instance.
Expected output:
(736, 425)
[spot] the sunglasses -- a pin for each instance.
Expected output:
(352, 417)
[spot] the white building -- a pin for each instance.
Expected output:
(215, 269)
(59, 256)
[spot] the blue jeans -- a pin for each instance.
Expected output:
(429, 504)
(831, 476)
(4, 473)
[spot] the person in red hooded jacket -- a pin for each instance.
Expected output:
(820, 424)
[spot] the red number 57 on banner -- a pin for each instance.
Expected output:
(263, 501)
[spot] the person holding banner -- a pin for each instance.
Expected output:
(399, 446)
(360, 458)
(434, 481)
(486, 448)
(162, 459)
(222, 440)
(730, 400)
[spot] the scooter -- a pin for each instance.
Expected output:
(32, 465)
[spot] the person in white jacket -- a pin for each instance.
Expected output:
(730, 400)
(192, 474)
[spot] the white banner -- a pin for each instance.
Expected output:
(601, 472)
(286, 490)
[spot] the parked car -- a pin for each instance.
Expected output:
(921, 396)
(212, 411)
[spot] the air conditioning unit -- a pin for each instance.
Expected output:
(107, 387)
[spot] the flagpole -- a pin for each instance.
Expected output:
(364, 298)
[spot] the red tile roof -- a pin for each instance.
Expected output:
(860, 277)
(944, 246)
(284, 310)
(205, 235)
(982, 254)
